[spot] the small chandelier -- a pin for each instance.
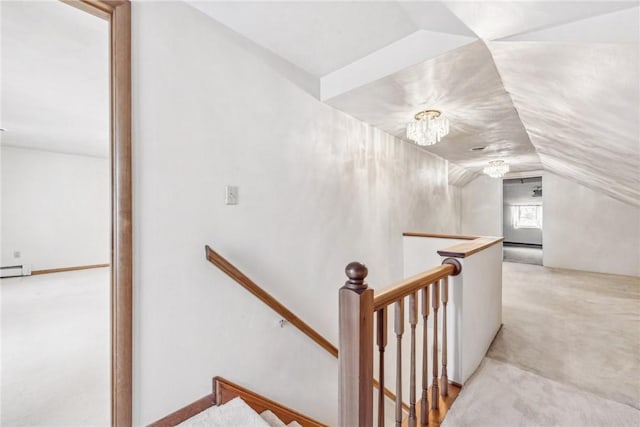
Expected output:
(429, 127)
(496, 168)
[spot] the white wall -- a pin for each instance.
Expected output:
(55, 209)
(587, 230)
(482, 207)
(474, 313)
(476, 305)
(317, 190)
(583, 229)
(421, 253)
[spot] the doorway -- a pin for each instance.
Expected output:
(522, 220)
(114, 16)
(56, 216)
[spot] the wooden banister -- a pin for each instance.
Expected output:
(440, 236)
(474, 244)
(244, 281)
(356, 341)
(358, 306)
(463, 250)
(450, 267)
(224, 391)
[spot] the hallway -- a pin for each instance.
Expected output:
(568, 353)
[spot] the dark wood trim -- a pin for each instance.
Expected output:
(122, 229)
(440, 236)
(186, 412)
(461, 250)
(410, 285)
(391, 395)
(63, 269)
(98, 9)
(244, 281)
(466, 249)
(437, 416)
(226, 390)
(118, 13)
(355, 370)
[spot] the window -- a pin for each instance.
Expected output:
(526, 216)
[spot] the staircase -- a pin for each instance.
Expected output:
(426, 295)
(231, 405)
(236, 412)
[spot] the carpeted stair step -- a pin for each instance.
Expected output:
(273, 420)
(235, 413)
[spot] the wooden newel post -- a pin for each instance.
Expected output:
(355, 358)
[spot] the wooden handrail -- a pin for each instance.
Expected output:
(474, 245)
(244, 281)
(449, 267)
(224, 391)
(463, 250)
(358, 305)
(440, 236)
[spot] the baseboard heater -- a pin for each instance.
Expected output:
(528, 245)
(13, 271)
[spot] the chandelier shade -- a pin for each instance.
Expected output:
(428, 128)
(496, 168)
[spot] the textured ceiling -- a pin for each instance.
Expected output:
(465, 85)
(492, 20)
(580, 104)
(544, 84)
(547, 85)
(55, 78)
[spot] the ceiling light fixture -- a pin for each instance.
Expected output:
(537, 191)
(496, 168)
(429, 127)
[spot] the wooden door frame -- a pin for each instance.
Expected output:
(118, 14)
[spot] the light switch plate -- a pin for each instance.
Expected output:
(231, 195)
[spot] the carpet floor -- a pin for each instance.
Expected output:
(523, 255)
(55, 349)
(502, 395)
(568, 353)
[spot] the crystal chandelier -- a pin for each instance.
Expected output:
(429, 127)
(496, 168)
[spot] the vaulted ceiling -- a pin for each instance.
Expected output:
(543, 85)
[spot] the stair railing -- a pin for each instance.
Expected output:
(243, 280)
(358, 308)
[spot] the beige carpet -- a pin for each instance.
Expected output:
(55, 349)
(572, 336)
(502, 395)
(523, 255)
